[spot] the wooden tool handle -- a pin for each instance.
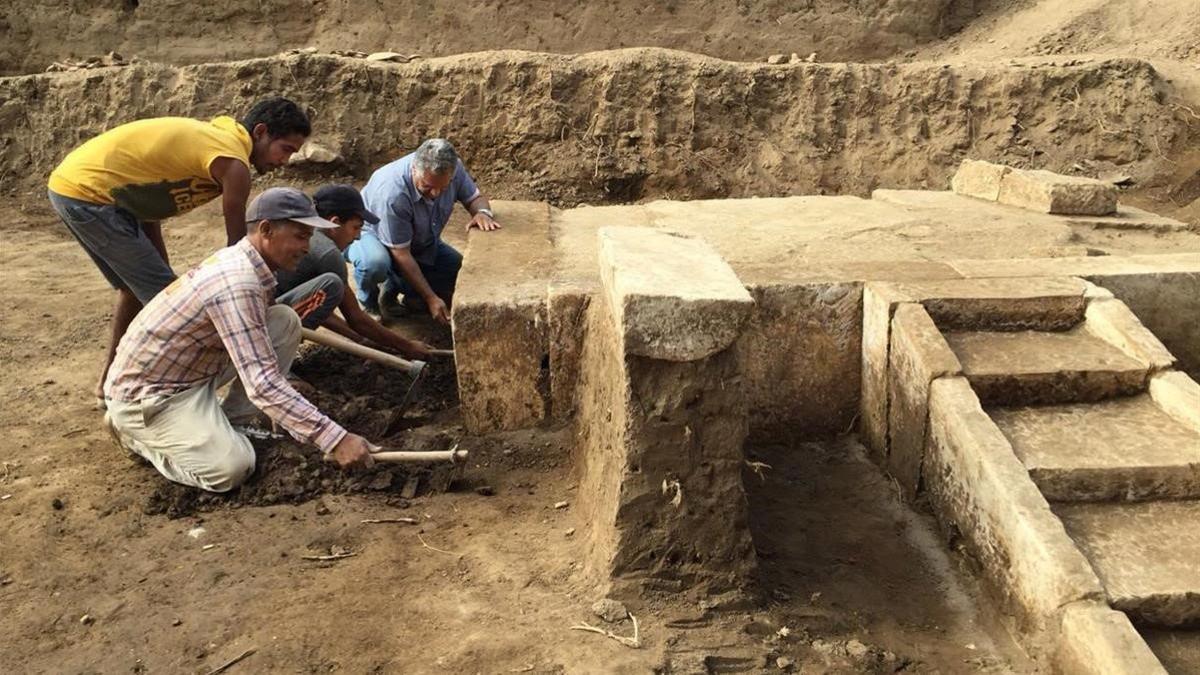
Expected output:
(331, 339)
(442, 352)
(454, 456)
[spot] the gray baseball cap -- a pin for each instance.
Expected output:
(286, 204)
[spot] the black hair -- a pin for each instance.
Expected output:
(282, 117)
(330, 213)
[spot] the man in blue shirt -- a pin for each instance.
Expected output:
(414, 197)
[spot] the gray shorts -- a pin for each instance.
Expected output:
(117, 244)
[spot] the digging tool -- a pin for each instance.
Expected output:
(413, 369)
(453, 455)
(442, 352)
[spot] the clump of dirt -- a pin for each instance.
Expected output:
(367, 400)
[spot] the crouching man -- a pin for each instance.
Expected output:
(215, 324)
(317, 285)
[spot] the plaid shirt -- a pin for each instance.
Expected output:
(187, 334)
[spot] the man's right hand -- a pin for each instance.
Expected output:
(438, 309)
(415, 349)
(353, 452)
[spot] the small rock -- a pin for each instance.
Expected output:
(610, 610)
(57, 504)
(570, 531)
(87, 619)
(777, 59)
(856, 649)
(794, 58)
(322, 509)
(822, 647)
(395, 57)
(177, 622)
(315, 153)
(196, 532)
(307, 50)
(811, 58)
(784, 663)
(561, 505)
(485, 490)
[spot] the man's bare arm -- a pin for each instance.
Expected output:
(412, 273)
(234, 177)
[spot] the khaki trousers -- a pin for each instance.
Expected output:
(188, 436)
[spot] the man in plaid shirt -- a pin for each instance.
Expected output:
(212, 325)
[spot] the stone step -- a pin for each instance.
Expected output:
(1032, 367)
(1147, 555)
(1120, 449)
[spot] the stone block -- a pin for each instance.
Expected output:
(799, 359)
(567, 308)
(918, 355)
(879, 299)
(1111, 320)
(499, 321)
(1166, 302)
(673, 296)
(980, 490)
(1048, 192)
(1147, 554)
(1096, 640)
(1179, 396)
(1126, 448)
(978, 179)
(1031, 367)
(660, 435)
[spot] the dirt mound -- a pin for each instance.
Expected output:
(367, 401)
(175, 32)
(641, 124)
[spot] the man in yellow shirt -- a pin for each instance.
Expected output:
(113, 191)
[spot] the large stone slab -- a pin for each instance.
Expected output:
(1029, 367)
(1096, 640)
(978, 179)
(1111, 320)
(980, 491)
(918, 355)
(662, 419)
(1125, 448)
(673, 296)
(500, 323)
(1147, 555)
(1048, 192)
(1179, 396)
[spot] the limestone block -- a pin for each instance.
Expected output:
(1111, 320)
(1179, 396)
(799, 359)
(1166, 301)
(978, 179)
(979, 489)
(1126, 448)
(661, 436)
(1048, 192)
(673, 296)
(1096, 640)
(878, 301)
(1031, 367)
(1041, 303)
(918, 355)
(1146, 554)
(499, 321)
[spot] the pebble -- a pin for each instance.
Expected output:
(856, 649)
(87, 619)
(610, 610)
(561, 505)
(784, 663)
(57, 504)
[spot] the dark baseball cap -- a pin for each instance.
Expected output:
(342, 200)
(286, 204)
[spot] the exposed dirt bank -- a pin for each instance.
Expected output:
(643, 123)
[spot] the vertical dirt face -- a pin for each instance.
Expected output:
(640, 124)
(182, 32)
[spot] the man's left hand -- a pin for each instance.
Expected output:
(484, 222)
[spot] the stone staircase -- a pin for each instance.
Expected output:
(1074, 436)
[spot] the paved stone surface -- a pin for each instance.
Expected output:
(918, 355)
(499, 321)
(978, 179)
(980, 490)
(1147, 555)
(1126, 448)
(1030, 367)
(1049, 192)
(672, 295)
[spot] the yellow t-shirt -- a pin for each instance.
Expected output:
(153, 168)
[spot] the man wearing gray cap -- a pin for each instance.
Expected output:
(214, 324)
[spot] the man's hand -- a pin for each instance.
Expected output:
(484, 222)
(415, 349)
(353, 452)
(438, 309)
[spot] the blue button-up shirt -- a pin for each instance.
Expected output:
(406, 219)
